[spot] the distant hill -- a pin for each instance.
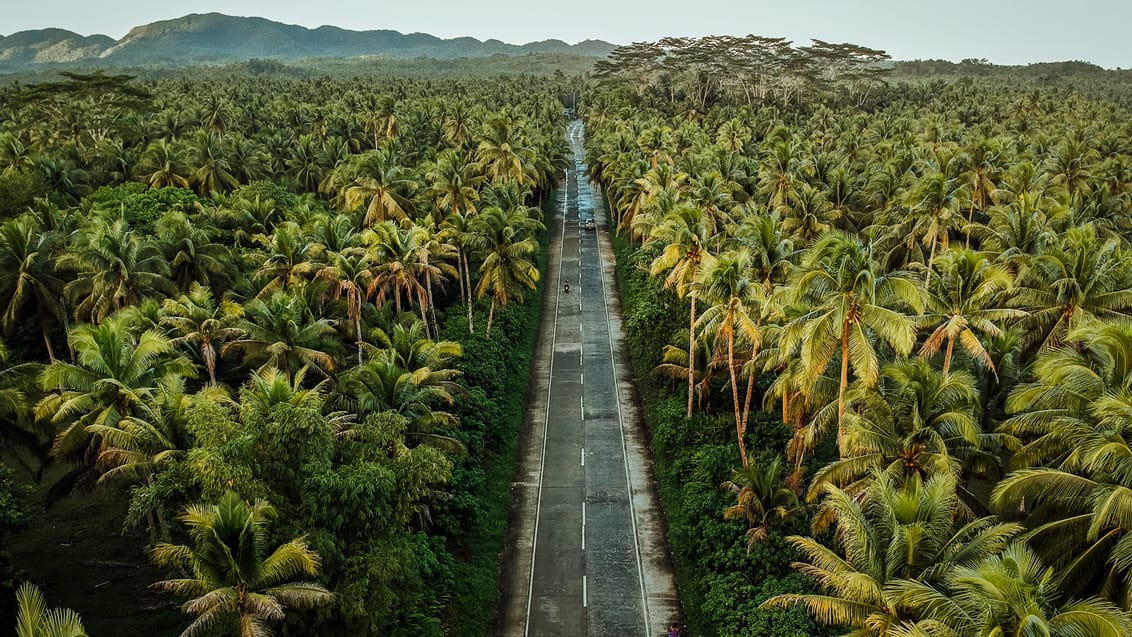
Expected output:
(214, 38)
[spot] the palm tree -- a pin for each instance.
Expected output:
(1087, 277)
(933, 202)
(28, 280)
(234, 577)
(1007, 594)
(686, 252)
(853, 305)
(115, 373)
(503, 153)
(1074, 418)
(291, 258)
(887, 537)
(919, 424)
(453, 184)
(282, 332)
(761, 499)
(211, 171)
(349, 277)
(733, 295)
(162, 165)
(114, 267)
(392, 255)
(35, 619)
(966, 297)
(192, 254)
(197, 319)
(506, 241)
(376, 181)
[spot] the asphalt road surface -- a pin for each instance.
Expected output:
(586, 552)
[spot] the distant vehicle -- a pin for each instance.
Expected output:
(590, 224)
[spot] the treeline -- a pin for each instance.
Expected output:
(288, 314)
(884, 344)
(704, 72)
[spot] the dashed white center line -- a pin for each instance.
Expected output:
(585, 599)
(583, 525)
(583, 464)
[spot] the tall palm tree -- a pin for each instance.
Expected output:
(968, 296)
(162, 165)
(933, 202)
(733, 295)
(506, 241)
(197, 319)
(35, 619)
(503, 152)
(291, 258)
(233, 576)
(852, 306)
(349, 277)
(687, 245)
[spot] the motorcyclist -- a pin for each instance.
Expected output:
(566, 287)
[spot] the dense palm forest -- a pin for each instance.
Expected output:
(889, 394)
(284, 319)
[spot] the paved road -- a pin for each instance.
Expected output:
(586, 550)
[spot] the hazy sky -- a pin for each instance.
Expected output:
(1003, 31)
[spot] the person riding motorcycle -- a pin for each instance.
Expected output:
(566, 287)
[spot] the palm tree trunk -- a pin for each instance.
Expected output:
(432, 307)
(739, 430)
(208, 353)
(947, 356)
(47, 342)
(424, 317)
(468, 276)
(460, 271)
(750, 390)
(358, 333)
(490, 316)
(931, 257)
(844, 384)
(691, 351)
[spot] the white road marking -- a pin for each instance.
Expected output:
(583, 464)
(583, 525)
(585, 600)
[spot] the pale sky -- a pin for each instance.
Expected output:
(1003, 31)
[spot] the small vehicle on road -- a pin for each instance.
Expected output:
(590, 224)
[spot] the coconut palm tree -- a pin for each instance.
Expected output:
(453, 183)
(115, 267)
(1008, 594)
(733, 295)
(28, 281)
(374, 180)
(197, 319)
(193, 255)
(853, 305)
(234, 578)
(887, 537)
(761, 499)
(283, 333)
(506, 242)
(686, 252)
(162, 165)
(968, 296)
(349, 277)
(35, 619)
(116, 371)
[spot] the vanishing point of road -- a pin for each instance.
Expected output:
(586, 552)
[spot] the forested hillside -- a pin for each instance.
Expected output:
(280, 326)
(884, 331)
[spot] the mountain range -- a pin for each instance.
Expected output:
(214, 38)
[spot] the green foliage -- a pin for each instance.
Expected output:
(140, 205)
